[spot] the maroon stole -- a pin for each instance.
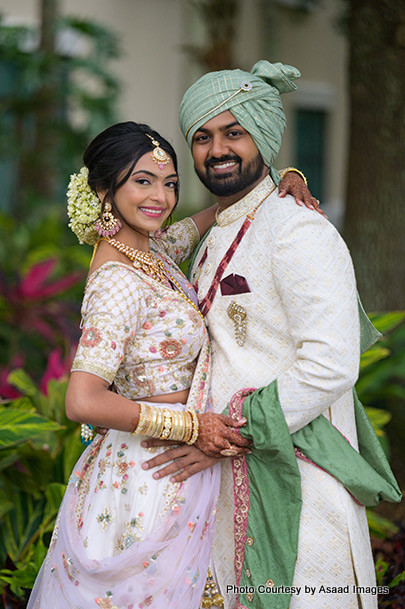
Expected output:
(206, 303)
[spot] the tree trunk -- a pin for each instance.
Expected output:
(38, 158)
(219, 18)
(375, 215)
(49, 104)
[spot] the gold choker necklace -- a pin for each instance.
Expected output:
(146, 262)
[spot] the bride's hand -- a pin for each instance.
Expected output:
(217, 436)
(293, 184)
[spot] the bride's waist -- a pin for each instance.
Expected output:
(171, 398)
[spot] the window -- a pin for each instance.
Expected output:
(8, 169)
(310, 148)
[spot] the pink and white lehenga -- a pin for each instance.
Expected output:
(123, 540)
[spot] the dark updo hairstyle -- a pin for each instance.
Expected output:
(117, 148)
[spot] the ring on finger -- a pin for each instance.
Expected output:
(229, 452)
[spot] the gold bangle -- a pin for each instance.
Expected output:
(176, 426)
(188, 426)
(143, 421)
(160, 423)
(282, 173)
(179, 427)
(151, 421)
(196, 426)
(168, 423)
(151, 430)
(184, 419)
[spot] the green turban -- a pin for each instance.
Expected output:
(252, 97)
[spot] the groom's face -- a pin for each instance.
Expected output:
(226, 158)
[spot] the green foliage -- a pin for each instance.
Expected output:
(382, 369)
(381, 381)
(40, 145)
(374, 354)
(383, 576)
(38, 448)
(390, 561)
(397, 580)
(41, 286)
(379, 526)
(18, 426)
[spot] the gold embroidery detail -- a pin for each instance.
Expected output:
(83, 480)
(143, 489)
(248, 573)
(250, 541)
(95, 368)
(247, 204)
(192, 232)
(242, 507)
(238, 315)
(132, 532)
(269, 583)
(249, 596)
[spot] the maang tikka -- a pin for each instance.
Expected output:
(108, 225)
(158, 155)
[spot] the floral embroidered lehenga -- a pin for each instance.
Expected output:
(122, 539)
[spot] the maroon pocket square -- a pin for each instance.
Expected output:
(234, 284)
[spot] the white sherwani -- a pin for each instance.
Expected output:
(302, 329)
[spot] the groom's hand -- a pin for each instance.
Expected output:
(180, 462)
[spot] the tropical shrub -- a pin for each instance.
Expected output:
(381, 385)
(38, 449)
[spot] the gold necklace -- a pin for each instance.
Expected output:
(151, 265)
(144, 261)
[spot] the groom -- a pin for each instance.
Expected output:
(276, 285)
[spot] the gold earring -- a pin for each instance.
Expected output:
(108, 225)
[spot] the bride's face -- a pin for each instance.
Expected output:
(148, 197)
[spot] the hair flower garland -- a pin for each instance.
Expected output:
(83, 208)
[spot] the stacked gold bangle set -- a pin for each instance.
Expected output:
(166, 424)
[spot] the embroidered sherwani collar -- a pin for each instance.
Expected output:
(245, 205)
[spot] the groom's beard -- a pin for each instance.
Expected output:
(226, 184)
